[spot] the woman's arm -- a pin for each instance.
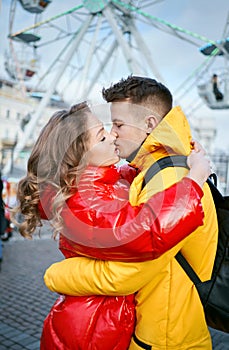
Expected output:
(108, 231)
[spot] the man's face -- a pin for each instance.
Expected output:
(129, 127)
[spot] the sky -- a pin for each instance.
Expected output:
(175, 59)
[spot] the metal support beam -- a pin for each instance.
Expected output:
(145, 51)
(53, 64)
(102, 66)
(81, 88)
(132, 64)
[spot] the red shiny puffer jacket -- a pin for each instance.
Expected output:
(99, 222)
(89, 323)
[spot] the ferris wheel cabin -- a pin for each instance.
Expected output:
(27, 64)
(205, 91)
(35, 6)
(214, 90)
(24, 68)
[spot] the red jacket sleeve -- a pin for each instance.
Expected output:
(114, 230)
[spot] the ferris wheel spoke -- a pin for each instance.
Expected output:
(226, 28)
(88, 61)
(54, 63)
(123, 44)
(164, 23)
(101, 67)
(54, 40)
(39, 24)
(197, 72)
(13, 5)
(147, 3)
(146, 53)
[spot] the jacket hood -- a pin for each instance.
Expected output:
(171, 136)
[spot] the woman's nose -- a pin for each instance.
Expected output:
(112, 136)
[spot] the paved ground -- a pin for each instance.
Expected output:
(24, 299)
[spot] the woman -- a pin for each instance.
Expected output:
(72, 182)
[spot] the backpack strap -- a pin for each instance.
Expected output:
(176, 161)
(170, 161)
(216, 194)
(219, 202)
(187, 268)
(213, 178)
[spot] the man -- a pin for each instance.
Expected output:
(168, 309)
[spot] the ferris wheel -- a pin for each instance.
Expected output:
(88, 44)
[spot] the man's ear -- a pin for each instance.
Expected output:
(151, 122)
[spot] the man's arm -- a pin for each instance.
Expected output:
(85, 276)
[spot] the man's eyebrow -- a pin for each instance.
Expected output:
(117, 120)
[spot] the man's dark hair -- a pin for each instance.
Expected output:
(141, 90)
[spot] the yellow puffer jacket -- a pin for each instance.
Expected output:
(168, 309)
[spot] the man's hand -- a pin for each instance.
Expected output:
(199, 164)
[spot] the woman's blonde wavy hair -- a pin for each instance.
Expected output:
(57, 159)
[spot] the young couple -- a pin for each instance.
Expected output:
(121, 287)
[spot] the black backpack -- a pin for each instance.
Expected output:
(214, 293)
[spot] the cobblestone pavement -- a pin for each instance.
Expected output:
(24, 299)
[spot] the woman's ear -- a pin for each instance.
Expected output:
(151, 122)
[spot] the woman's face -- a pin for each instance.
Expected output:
(102, 150)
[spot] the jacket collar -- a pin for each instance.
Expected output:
(109, 174)
(133, 154)
(171, 136)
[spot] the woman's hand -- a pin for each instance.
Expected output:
(199, 164)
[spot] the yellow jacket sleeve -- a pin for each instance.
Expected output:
(85, 276)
